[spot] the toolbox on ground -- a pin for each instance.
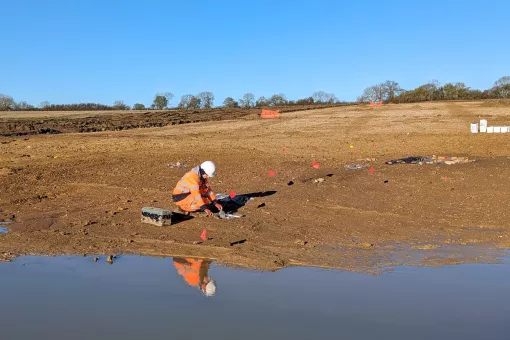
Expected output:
(156, 216)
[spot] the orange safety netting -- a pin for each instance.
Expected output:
(270, 114)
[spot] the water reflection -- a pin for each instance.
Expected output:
(3, 227)
(195, 273)
(164, 298)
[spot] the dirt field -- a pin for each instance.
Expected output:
(82, 193)
(23, 123)
(47, 122)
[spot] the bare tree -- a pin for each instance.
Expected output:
(319, 97)
(391, 90)
(230, 102)
(189, 101)
(502, 87)
(160, 102)
(262, 101)
(194, 103)
(44, 105)
(23, 105)
(169, 96)
(502, 81)
(372, 94)
(248, 100)
(185, 100)
(207, 99)
(7, 103)
(330, 98)
(386, 91)
(119, 105)
(278, 100)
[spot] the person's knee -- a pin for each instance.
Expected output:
(186, 207)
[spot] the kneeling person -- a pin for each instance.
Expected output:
(193, 192)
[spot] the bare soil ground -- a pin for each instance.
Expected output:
(82, 193)
(47, 122)
(22, 123)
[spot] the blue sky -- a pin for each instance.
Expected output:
(67, 51)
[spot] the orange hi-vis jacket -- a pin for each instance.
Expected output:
(192, 192)
(189, 269)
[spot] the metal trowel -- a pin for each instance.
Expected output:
(226, 216)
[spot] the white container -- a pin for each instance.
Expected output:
(490, 129)
(483, 125)
(504, 129)
(497, 129)
(474, 127)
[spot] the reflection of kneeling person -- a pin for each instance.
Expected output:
(193, 192)
(196, 274)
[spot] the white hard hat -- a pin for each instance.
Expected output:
(210, 288)
(209, 168)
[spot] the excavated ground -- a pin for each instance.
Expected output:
(82, 193)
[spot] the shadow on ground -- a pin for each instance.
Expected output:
(232, 205)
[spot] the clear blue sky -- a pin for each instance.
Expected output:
(66, 51)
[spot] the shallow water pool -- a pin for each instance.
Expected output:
(164, 298)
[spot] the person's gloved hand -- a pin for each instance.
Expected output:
(218, 206)
(208, 212)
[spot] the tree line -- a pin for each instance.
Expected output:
(391, 92)
(387, 92)
(163, 101)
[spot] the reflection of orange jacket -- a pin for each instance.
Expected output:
(192, 271)
(193, 192)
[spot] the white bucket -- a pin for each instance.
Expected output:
(474, 127)
(490, 129)
(483, 125)
(497, 129)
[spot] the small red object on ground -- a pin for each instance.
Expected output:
(204, 235)
(315, 165)
(372, 170)
(232, 194)
(271, 173)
